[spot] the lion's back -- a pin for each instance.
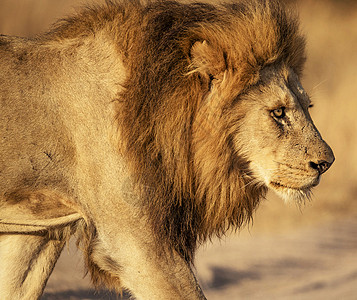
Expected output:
(56, 108)
(31, 132)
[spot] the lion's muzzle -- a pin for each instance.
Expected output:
(324, 159)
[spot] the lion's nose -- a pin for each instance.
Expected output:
(321, 166)
(324, 164)
(323, 160)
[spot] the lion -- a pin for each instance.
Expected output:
(145, 129)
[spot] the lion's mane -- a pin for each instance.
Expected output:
(185, 201)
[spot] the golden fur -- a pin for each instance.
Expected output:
(187, 200)
(146, 129)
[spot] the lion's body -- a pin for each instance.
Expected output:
(124, 124)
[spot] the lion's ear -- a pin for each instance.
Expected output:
(207, 60)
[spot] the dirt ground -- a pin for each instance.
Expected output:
(318, 262)
(289, 252)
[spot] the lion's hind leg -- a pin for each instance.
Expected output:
(26, 261)
(34, 227)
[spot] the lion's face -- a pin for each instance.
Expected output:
(276, 134)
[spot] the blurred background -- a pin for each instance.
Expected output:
(289, 252)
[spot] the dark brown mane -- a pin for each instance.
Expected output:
(187, 204)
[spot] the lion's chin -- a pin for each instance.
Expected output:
(291, 194)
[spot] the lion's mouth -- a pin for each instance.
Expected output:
(293, 193)
(279, 185)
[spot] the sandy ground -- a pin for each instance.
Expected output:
(286, 254)
(315, 261)
(318, 262)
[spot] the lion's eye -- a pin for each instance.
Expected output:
(278, 113)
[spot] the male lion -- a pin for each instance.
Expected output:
(146, 129)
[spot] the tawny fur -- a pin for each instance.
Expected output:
(186, 200)
(146, 129)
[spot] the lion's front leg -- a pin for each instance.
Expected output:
(130, 254)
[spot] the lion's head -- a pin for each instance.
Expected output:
(271, 128)
(285, 150)
(215, 114)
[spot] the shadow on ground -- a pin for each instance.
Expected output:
(223, 277)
